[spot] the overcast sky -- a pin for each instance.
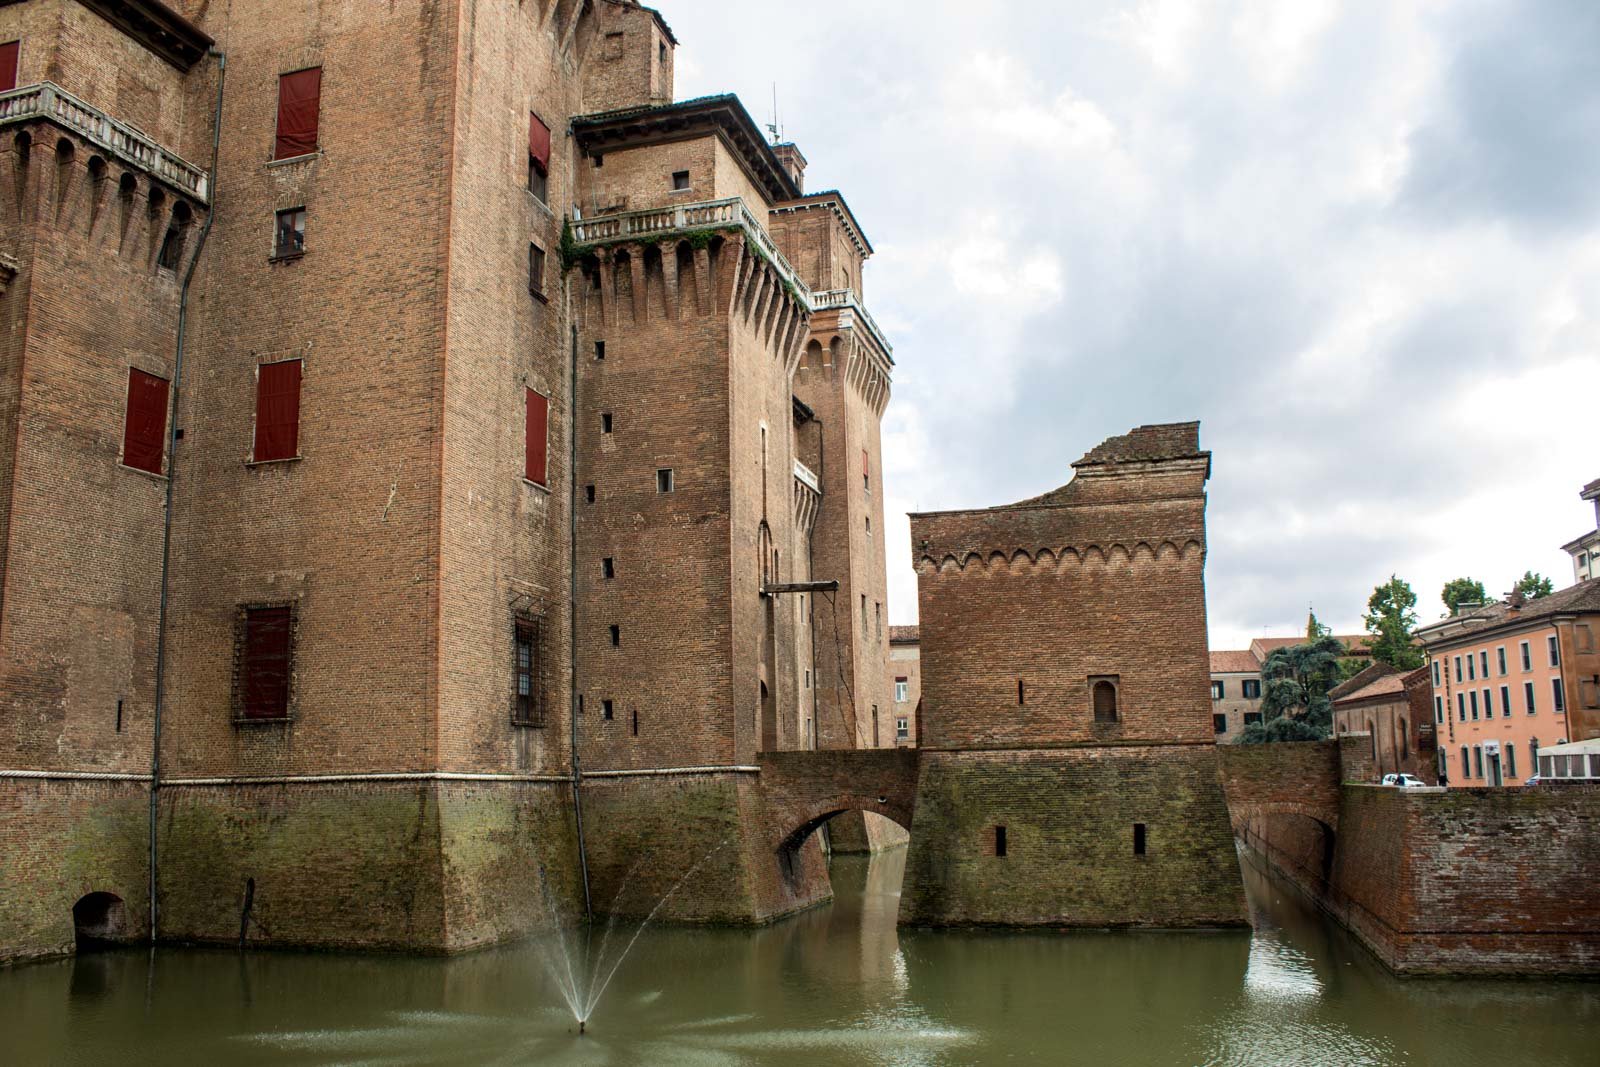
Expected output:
(1359, 241)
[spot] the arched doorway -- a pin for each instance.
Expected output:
(97, 921)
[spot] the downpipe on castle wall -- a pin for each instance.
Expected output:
(172, 477)
(572, 609)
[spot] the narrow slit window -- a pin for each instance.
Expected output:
(289, 233)
(616, 636)
(277, 411)
(635, 722)
(299, 101)
(606, 711)
(1138, 839)
(528, 700)
(605, 422)
(999, 840)
(599, 350)
(588, 494)
(608, 568)
(1103, 693)
(1022, 692)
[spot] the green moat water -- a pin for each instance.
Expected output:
(839, 985)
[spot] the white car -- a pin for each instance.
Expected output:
(1404, 781)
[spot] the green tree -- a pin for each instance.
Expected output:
(1315, 629)
(1390, 620)
(1533, 586)
(1458, 591)
(1294, 692)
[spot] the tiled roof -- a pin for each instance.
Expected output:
(1583, 597)
(1368, 676)
(1392, 684)
(1242, 661)
(1358, 644)
(903, 635)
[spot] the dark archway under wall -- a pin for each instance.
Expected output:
(788, 850)
(99, 921)
(1300, 845)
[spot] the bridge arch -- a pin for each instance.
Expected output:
(802, 790)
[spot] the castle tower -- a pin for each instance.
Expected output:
(1068, 774)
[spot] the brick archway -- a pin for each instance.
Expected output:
(802, 790)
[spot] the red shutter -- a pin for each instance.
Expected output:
(8, 65)
(539, 143)
(299, 96)
(278, 410)
(266, 663)
(538, 449)
(866, 469)
(144, 429)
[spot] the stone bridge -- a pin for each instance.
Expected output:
(1300, 778)
(803, 790)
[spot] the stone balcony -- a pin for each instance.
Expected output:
(851, 313)
(655, 223)
(49, 101)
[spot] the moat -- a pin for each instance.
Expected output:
(838, 985)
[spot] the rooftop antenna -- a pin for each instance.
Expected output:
(773, 128)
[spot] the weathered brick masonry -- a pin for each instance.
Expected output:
(1464, 881)
(1068, 772)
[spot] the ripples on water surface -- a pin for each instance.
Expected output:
(839, 985)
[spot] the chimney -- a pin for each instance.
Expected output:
(793, 163)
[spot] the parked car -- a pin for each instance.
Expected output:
(1404, 781)
(1532, 781)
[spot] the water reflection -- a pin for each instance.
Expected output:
(839, 985)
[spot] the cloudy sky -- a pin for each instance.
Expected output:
(1359, 241)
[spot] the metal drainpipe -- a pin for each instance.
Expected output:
(572, 613)
(172, 475)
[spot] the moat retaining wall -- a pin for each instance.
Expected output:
(1070, 856)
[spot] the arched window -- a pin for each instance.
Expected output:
(1103, 692)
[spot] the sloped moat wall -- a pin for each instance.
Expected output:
(61, 840)
(1070, 858)
(425, 866)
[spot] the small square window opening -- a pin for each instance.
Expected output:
(289, 235)
(680, 180)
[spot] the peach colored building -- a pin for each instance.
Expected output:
(1510, 678)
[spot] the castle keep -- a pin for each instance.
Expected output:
(402, 408)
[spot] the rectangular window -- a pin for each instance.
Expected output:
(1473, 700)
(289, 233)
(144, 426)
(538, 157)
(616, 636)
(1505, 701)
(8, 65)
(1251, 716)
(588, 494)
(1461, 707)
(299, 99)
(1555, 654)
(1217, 690)
(607, 712)
(1527, 695)
(599, 350)
(1558, 696)
(664, 480)
(1138, 839)
(1488, 704)
(866, 474)
(608, 568)
(808, 678)
(902, 690)
(535, 270)
(1470, 675)
(1458, 670)
(527, 708)
(1500, 655)
(1219, 723)
(1477, 761)
(536, 437)
(1436, 674)
(605, 422)
(902, 729)
(266, 662)
(1466, 763)
(1511, 761)
(1527, 657)
(1252, 689)
(1438, 709)
(680, 180)
(277, 411)
(1483, 663)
